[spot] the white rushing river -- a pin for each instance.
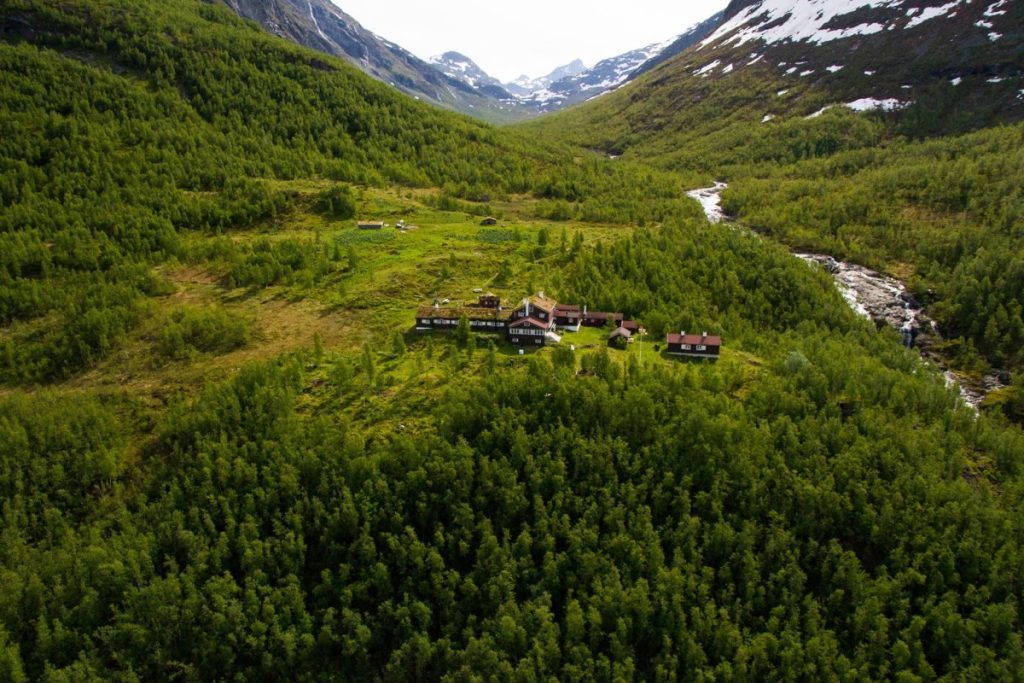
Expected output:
(871, 294)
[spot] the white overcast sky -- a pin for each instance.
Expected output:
(528, 36)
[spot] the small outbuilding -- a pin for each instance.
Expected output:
(489, 301)
(490, 220)
(371, 225)
(619, 337)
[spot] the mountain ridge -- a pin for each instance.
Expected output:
(575, 82)
(943, 66)
(524, 86)
(323, 26)
(452, 79)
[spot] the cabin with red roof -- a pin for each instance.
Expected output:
(694, 345)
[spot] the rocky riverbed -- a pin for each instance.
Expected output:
(878, 297)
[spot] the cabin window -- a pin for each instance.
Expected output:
(686, 347)
(701, 347)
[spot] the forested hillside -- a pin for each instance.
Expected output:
(927, 192)
(129, 126)
(819, 509)
(226, 455)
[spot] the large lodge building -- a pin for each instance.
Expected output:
(532, 323)
(536, 320)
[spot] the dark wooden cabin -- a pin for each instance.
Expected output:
(447, 318)
(694, 345)
(567, 315)
(527, 332)
(539, 307)
(600, 318)
(489, 301)
(532, 322)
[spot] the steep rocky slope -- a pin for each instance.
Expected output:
(319, 24)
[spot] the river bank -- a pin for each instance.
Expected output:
(880, 298)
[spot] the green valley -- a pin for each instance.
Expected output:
(226, 453)
(941, 211)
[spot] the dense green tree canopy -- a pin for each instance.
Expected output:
(817, 505)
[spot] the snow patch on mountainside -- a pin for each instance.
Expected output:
(707, 68)
(776, 21)
(864, 104)
(994, 10)
(871, 104)
(929, 13)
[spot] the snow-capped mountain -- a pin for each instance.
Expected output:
(606, 75)
(452, 79)
(574, 82)
(459, 66)
(876, 54)
(524, 86)
(932, 67)
(321, 25)
(611, 73)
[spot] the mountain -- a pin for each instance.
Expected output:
(452, 79)
(565, 71)
(611, 73)
(690, 37)
(959, 55)
(321, 25)
(606, 75)
(938, 66)
(524, 86)
(458, 66)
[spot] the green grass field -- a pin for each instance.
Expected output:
(441, 254)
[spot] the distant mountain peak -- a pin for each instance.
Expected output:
(573, 68)
(452, 79)
(611, 73)
(460, 67)
(525, 86)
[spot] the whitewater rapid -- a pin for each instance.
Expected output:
(872, 295)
